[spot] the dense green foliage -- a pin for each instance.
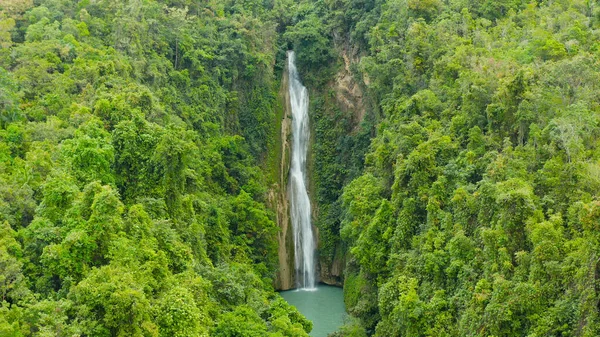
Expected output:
(134, 137)
(132, 197)
(477, 210)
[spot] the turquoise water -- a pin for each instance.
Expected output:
(323, 306)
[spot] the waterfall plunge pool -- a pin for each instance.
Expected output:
(323, 305)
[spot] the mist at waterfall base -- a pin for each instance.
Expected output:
(304, 242)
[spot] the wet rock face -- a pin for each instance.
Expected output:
(350, 99)
(332, 273)
(278, 196)
(348, 92)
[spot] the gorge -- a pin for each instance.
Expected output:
(163, 171)
(322, 304)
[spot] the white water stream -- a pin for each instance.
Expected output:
(304, 242)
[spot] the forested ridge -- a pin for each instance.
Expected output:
(138, 141)
(477, 210)
(133, 146)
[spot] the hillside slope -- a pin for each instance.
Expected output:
(476, 212)
(134, 137)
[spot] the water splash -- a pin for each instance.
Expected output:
(304, 243)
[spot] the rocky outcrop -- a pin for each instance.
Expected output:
(348, 92)
(349, 98)
(332, 272)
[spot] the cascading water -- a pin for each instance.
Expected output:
(304, 242)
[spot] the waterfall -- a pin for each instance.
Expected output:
(304, 242)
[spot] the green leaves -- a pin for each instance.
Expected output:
(9, 104)
(13, 285)
(253, 229)
(484, 158)
(130, 142)
(90, 153)
(361, 198)
(243, 322)
(179, 316)
(112, 301)
(311, 41)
